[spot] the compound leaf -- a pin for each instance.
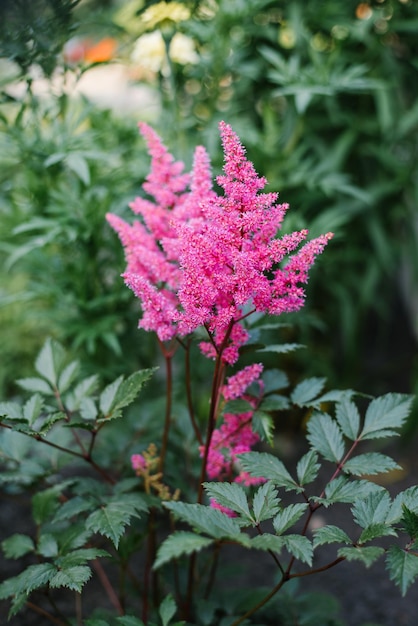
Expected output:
(330, 534)
(205, 519)
(167, 609)
(348, 418)
(262, 424)
(366, 555)
(17, 545)
(307, 468)
(307, 390)
(71, 577)
(179, 544)
(385, 414)
(297, 545)
(373, 509)
(264, 465)
(325, 436)
(287, 517)
(402, 567)
(265, 502)
(50, 360)
(369, 464)
(230, 495)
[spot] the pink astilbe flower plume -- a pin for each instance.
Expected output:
(151, 245)
(230, 258)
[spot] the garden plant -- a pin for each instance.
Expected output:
(147, 463)
(150, 500)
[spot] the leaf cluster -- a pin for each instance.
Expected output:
(332, 439)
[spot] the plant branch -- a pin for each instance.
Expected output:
(189, 393)
(262, 602)
(78, 455)
(107, 586)
(168, 356)
(318, 569)
(47, 614)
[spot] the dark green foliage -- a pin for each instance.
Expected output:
(34, 31)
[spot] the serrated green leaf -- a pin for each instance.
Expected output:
(264, 465)
(50, 421)
(375, 531)
(112, 518)
(32, 408)
(287, 517)
(8, 588)
(84, 389)
(325, 436)
(67, 376)
(230, 495)
(17, 545)
(297, 545)
(373, 509)
(79, 557)
(274, 380)
(408, 498)
(178, 544)
(402, 567)
(366, 555)
(410, 521)
(47, 545)
(108, 395)
(348, 418)
(330, 534)
(73, 537)
(11, 410)
(307, 390)
(108, 522)
(335, 395)
(369, 464)
(167, 609)
(35, 385)
(263, 425)
(33, 577)
(342, 489)
(275, 402)
(385, 415)
(122, 392)
(265, 502)
(73, 507)
(88, 409)
(307, 468)
(49, 361)
(72, 577)
(129, 389)
(205, 519)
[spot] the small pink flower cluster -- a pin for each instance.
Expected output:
(235, 435)
(138, 463)
(198, 258)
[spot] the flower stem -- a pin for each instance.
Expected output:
(168, 356)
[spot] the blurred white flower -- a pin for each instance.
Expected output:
(149, 51)
(182, 50)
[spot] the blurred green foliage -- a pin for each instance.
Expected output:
(323, 95)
